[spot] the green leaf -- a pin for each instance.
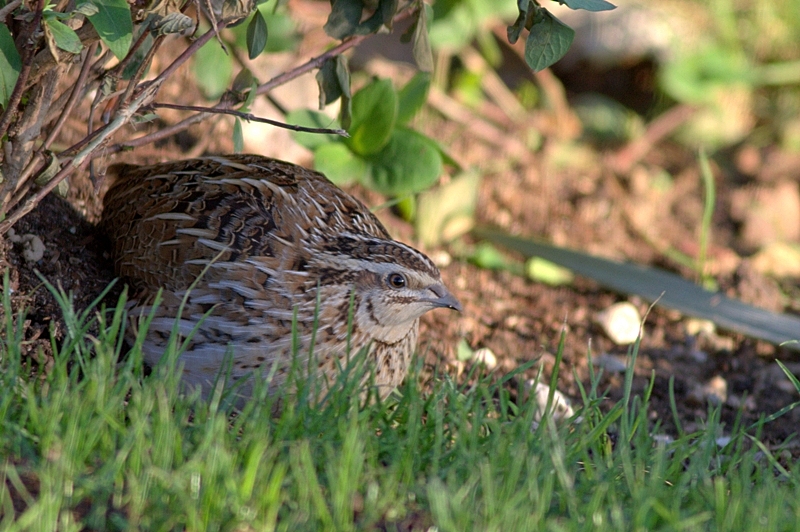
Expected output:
(10, 65)
(309, 118)
(409, 163)
(463, 351)
(374, 117)
(421, 43)
(488, 257)
(343, 74)
(548, 41)
(589, 5)
(333, 79)
(528, 12)
(245, 84)
(256, 35)
(339, 164)
(328, 83)
(513, 31)
(238, 136)
(87, 9)
(345, 18)
(213, 69)
(282, 34)
(171, 23)
(412, 97)
(113, 24)
(65, 37)
(544, 271)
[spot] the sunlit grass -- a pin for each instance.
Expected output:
(96, 444)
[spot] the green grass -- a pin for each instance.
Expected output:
(95, 444)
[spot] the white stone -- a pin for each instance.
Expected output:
(561, 408)
(485, 356)
(621, 322)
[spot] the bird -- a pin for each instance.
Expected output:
(261, 264)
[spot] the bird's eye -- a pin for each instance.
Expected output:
(396, 280)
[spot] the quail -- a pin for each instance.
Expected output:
(268, 258)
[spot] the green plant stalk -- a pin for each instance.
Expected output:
(708, 213)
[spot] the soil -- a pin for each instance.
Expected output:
(566, 191)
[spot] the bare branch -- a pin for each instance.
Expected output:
(190, 50)
(7, 9)
(16, 95)
(311, 64)
(122, 65)
(23, 183)
(73, 97)
(250, 118)
(141, 70)
(44, 61)
(83, 156)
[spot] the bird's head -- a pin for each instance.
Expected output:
(394, 285)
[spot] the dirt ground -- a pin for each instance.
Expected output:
(565, 191)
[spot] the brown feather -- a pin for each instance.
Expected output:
(271, 240)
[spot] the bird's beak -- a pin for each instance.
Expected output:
(443, 298)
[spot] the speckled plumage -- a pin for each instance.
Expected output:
(275, 239)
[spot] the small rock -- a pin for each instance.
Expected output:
(485, 356)
(716, 390)
(697, 355)
(662, 439)
(696, 326)
(621, 322)
(737, 402)
(32, 246)
(611, 363)
(561, 408)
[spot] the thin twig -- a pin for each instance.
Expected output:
(134, 82)
(250, 118)
(161, 134)
(141, 70)
(73, 97)
(190, 50)
(122, 118)
(122, 65)
(27, 184)
(97, 66)
(16, 95)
